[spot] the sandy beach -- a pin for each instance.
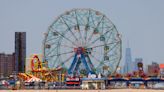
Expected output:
(112, 90)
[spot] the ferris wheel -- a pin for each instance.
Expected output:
(83, 41)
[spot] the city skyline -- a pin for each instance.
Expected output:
(137, 21)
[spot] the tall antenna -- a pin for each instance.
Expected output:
(128, 43)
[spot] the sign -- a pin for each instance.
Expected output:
(72, 79)
(161, 66)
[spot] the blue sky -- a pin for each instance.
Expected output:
(139, 21)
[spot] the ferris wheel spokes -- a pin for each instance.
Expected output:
(59, 54)
(51, 39)
(67, 46)
(65, 61)
(95, 29)
(78, 28)
(66, 38)
(102, 35)
(103, 45)
(54, 61)
(111, 61)
(97, 39)
(70, 29)
(47, 54)
(95, 58)
(86, 28)
(89, 19)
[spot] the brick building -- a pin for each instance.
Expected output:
(7, 64)
(153, 69)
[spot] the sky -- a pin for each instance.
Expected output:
(140, 22)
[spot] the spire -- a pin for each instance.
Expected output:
(128, 44)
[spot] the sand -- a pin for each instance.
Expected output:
(112, 90)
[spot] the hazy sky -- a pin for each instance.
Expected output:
(139, 21)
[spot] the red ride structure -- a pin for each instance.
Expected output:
(39, 64)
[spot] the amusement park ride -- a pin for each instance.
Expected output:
(79, 42)
(83, 41)
(39, 70)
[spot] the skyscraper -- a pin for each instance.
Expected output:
(20, 51)
(128, 61)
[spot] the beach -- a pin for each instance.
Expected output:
(110, 90)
